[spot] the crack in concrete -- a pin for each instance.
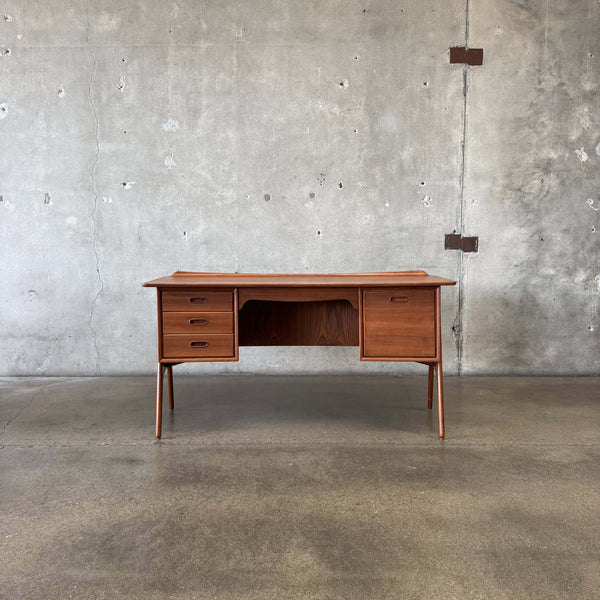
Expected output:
(24, 407)
(94, 210)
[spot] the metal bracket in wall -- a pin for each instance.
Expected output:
(467, 56)
(455, 241)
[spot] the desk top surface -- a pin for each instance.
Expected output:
(183, 279)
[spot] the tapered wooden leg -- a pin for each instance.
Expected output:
(170, 384)
(159, 394)
(430, 389)
(440, 398)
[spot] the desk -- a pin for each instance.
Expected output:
(206, 317)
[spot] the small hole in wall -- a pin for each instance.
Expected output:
(422, 183)
(426, 83)
(318, 232)
(340, 185)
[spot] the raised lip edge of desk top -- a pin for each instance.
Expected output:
(383, 279)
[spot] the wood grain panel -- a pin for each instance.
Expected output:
(290, 294)
(198, 322)
(197, 299)
(320, 323)
(181, 346)
(399, 323)
(183, 279)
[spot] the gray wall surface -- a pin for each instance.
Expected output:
(142, 137)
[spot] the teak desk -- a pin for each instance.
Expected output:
(206, 317)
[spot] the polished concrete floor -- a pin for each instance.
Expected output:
(300, 487)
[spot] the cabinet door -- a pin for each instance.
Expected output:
(399, 323)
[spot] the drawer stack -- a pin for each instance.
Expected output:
(198, 324)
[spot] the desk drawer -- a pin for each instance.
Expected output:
(197, 323)
(204, 300)
(177, 345)
(399, 323)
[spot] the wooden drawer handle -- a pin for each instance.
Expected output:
(198, 300)
(398, 299)
(198, 321)
(199, 344)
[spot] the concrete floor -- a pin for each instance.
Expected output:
(300, 487)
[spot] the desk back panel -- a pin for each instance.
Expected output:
(284, 323)
(306, 294)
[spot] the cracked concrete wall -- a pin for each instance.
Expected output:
(141, 137)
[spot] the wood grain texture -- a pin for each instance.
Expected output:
(438, 366)
(197, 300)
(236, 329)
(320, 323)
(179, 345)
(399, 323)
(390, 316)
(184, 279)
(198, 322)
(159, 321)
(304, 294)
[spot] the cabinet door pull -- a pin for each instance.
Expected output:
(200, 300)
(398, 299)
(199, 344)
(198, 321)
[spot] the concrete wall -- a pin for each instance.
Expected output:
(141, 137)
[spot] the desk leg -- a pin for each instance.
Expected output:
(159, 394)
(430, 389)
(440, 398)
(170, 384)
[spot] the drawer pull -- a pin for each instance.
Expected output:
(200, 300)
(198, 321)
(402, 299)
(199, 344)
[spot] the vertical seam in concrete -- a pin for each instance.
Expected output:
(94, 209)
(458, 325)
